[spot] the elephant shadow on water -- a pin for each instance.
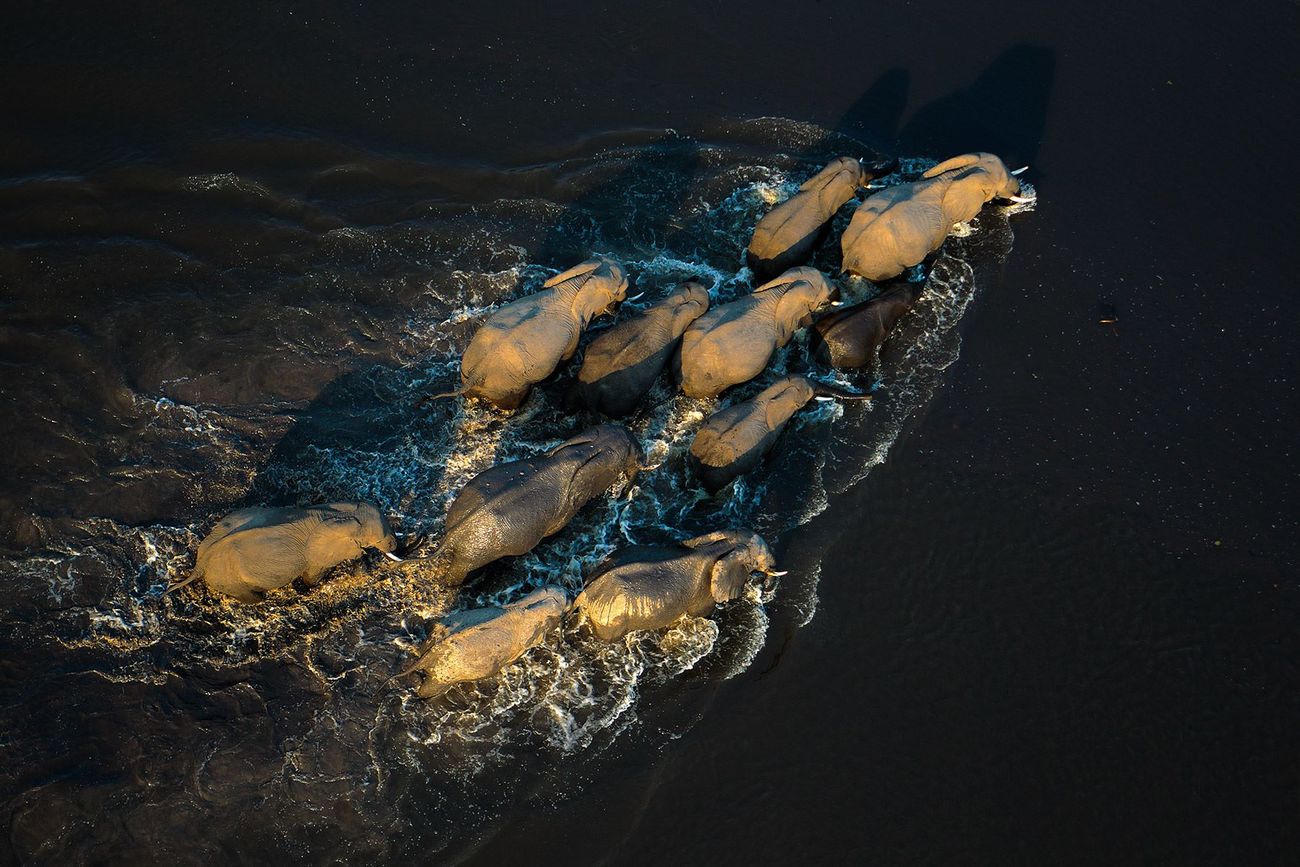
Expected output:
(1004, 111)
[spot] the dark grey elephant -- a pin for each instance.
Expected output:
(622, 363)
(523, 343)
(255, 550)
(650, 586)
(474, 644)
(901, 225)
(851, 336)
(734, 342)
(507, 510)
(789, 233)
(734, 441)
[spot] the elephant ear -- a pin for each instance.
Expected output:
(794, 307)
(581, 439)
(785, 403)
(340, 520)
(729, 575)
(580, 270)
(960, 162)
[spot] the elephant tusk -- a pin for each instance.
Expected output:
(777, 574)
(1021, 170)
(393, 557)
(1020, 200)
(837, 303)
(876, 186)
(634, 297)
(823, 398)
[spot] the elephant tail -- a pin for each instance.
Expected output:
(429, 398)
(194, 576)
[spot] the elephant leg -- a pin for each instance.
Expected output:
(312, 576)
(244, 593)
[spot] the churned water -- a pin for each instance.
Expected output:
(276, 336)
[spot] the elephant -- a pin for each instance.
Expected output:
(735, 440)
(851, 337)
(733, 342)
(524, 342)
(901, 225)
(255, 550)
(650, 586)
(505, 511)
(789, 233)
(471, 645)
(622, 363)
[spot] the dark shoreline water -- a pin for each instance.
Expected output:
(1057, 625)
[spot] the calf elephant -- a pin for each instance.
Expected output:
(789, 233)
(735, 440)
(851, 337)
(650, 586)
(507, 510)
(523, 343)
(471, 645)
(621, 364)
(901, 225)
(255, 550)
(734, 342)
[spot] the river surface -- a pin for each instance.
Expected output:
(1042, 599)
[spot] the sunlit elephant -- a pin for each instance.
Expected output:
(255, 550)
(851, 336)
(474, 644)
(733, 342)
(901, 225)
(789, 233)
(734, 441)
(650, 586)
(621, 364)
(506, 510)
(523, 343)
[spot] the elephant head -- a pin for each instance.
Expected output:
(591, 288)
(736, 555)
(735, 440)
(734, 342)
(901, 225)
(622, 363)
(371, 530)
(255, 550)
(650, 586)
(524, 342)
(973, 180)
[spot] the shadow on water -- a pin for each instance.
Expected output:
(1003, 111)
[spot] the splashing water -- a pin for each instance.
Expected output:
(344, 731)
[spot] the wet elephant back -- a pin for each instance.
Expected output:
(629, 343)
(488, 487)
(574, 476)
(645, 588)
(730, 344)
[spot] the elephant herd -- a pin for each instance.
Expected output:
(510, 508)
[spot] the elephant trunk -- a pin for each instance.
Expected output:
(834, 392)
(879, 168)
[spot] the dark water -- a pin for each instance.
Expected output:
(1056, 624)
